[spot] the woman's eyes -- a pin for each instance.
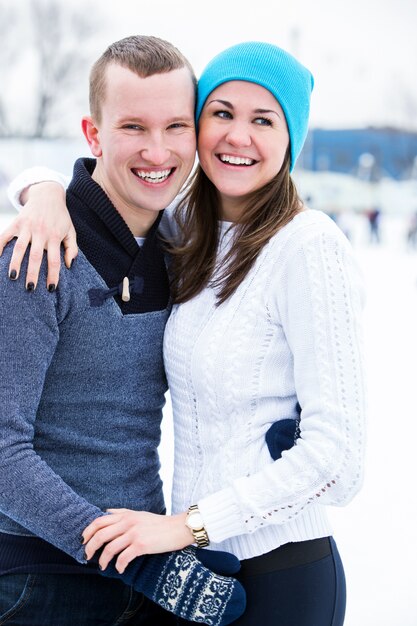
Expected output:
(260, 121)
(224, 115)
(263, 121)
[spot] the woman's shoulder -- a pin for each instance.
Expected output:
(313, 245)
(311, 221)
(307, 226)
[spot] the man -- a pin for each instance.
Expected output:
(81, 373)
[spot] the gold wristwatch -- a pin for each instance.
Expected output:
(194, 522)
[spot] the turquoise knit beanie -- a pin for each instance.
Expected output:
(271, 67)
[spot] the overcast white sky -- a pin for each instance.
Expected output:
(362, 52)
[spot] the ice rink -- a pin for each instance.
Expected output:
(376, 533)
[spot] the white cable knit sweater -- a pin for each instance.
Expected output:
(290, 332)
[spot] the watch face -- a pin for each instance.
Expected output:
(195, 521)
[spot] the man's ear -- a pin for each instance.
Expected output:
(91, 133)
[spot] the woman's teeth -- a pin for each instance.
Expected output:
(233, 160)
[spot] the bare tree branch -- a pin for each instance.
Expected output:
(51, 55)
(58, 65)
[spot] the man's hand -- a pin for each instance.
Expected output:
(44, 222)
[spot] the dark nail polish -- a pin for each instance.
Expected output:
(30, 287)
(51, 287)
(72, 263)
(13, 274)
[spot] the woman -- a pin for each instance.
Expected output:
(266, 320)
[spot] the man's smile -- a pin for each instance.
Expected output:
(153, 176)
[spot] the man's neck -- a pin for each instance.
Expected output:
(138, 220)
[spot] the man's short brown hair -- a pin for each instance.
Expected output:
(144, 55)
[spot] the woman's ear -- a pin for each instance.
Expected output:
(91, 133)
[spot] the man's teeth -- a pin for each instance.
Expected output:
(236, 160)
(153, 177)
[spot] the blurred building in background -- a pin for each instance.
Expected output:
(393, 152)
(363, 170)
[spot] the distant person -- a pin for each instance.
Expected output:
(412, 232)
(374, 219)
(266, 327)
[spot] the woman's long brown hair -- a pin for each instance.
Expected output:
(193, 261)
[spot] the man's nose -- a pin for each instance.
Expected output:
(156, 151)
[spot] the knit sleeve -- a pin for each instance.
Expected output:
(31, 493)
(31, 176)
(317, 298)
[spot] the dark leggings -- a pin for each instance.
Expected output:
(298, 584)
(286, 588)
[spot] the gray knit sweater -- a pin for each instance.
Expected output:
(81, 396)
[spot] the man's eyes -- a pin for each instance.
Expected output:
(174, 126)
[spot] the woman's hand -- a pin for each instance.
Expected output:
(134, 533)
(44, 222)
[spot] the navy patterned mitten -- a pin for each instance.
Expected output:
(182, 583)
(282, 436)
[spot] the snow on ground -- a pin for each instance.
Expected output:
(376, 532)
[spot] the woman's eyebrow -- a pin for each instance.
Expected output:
(225, 103)
(267, 111)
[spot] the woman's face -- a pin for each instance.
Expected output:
(242, 142)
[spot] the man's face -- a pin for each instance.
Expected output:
(145, 141)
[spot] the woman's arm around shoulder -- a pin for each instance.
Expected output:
(43, 222)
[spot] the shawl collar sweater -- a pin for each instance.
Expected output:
(110, 246)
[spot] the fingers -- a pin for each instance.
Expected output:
(19, 251)
(44, 222)
(100, 522)
(126, 557)
(53, 248)
(115, 533)
(124, 548)
(54, 264)
(120, 546)
(101, 537)
(34, 264)
(71, 248)
(37, 247)
(6, 236)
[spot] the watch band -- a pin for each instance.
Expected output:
(200, 534)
